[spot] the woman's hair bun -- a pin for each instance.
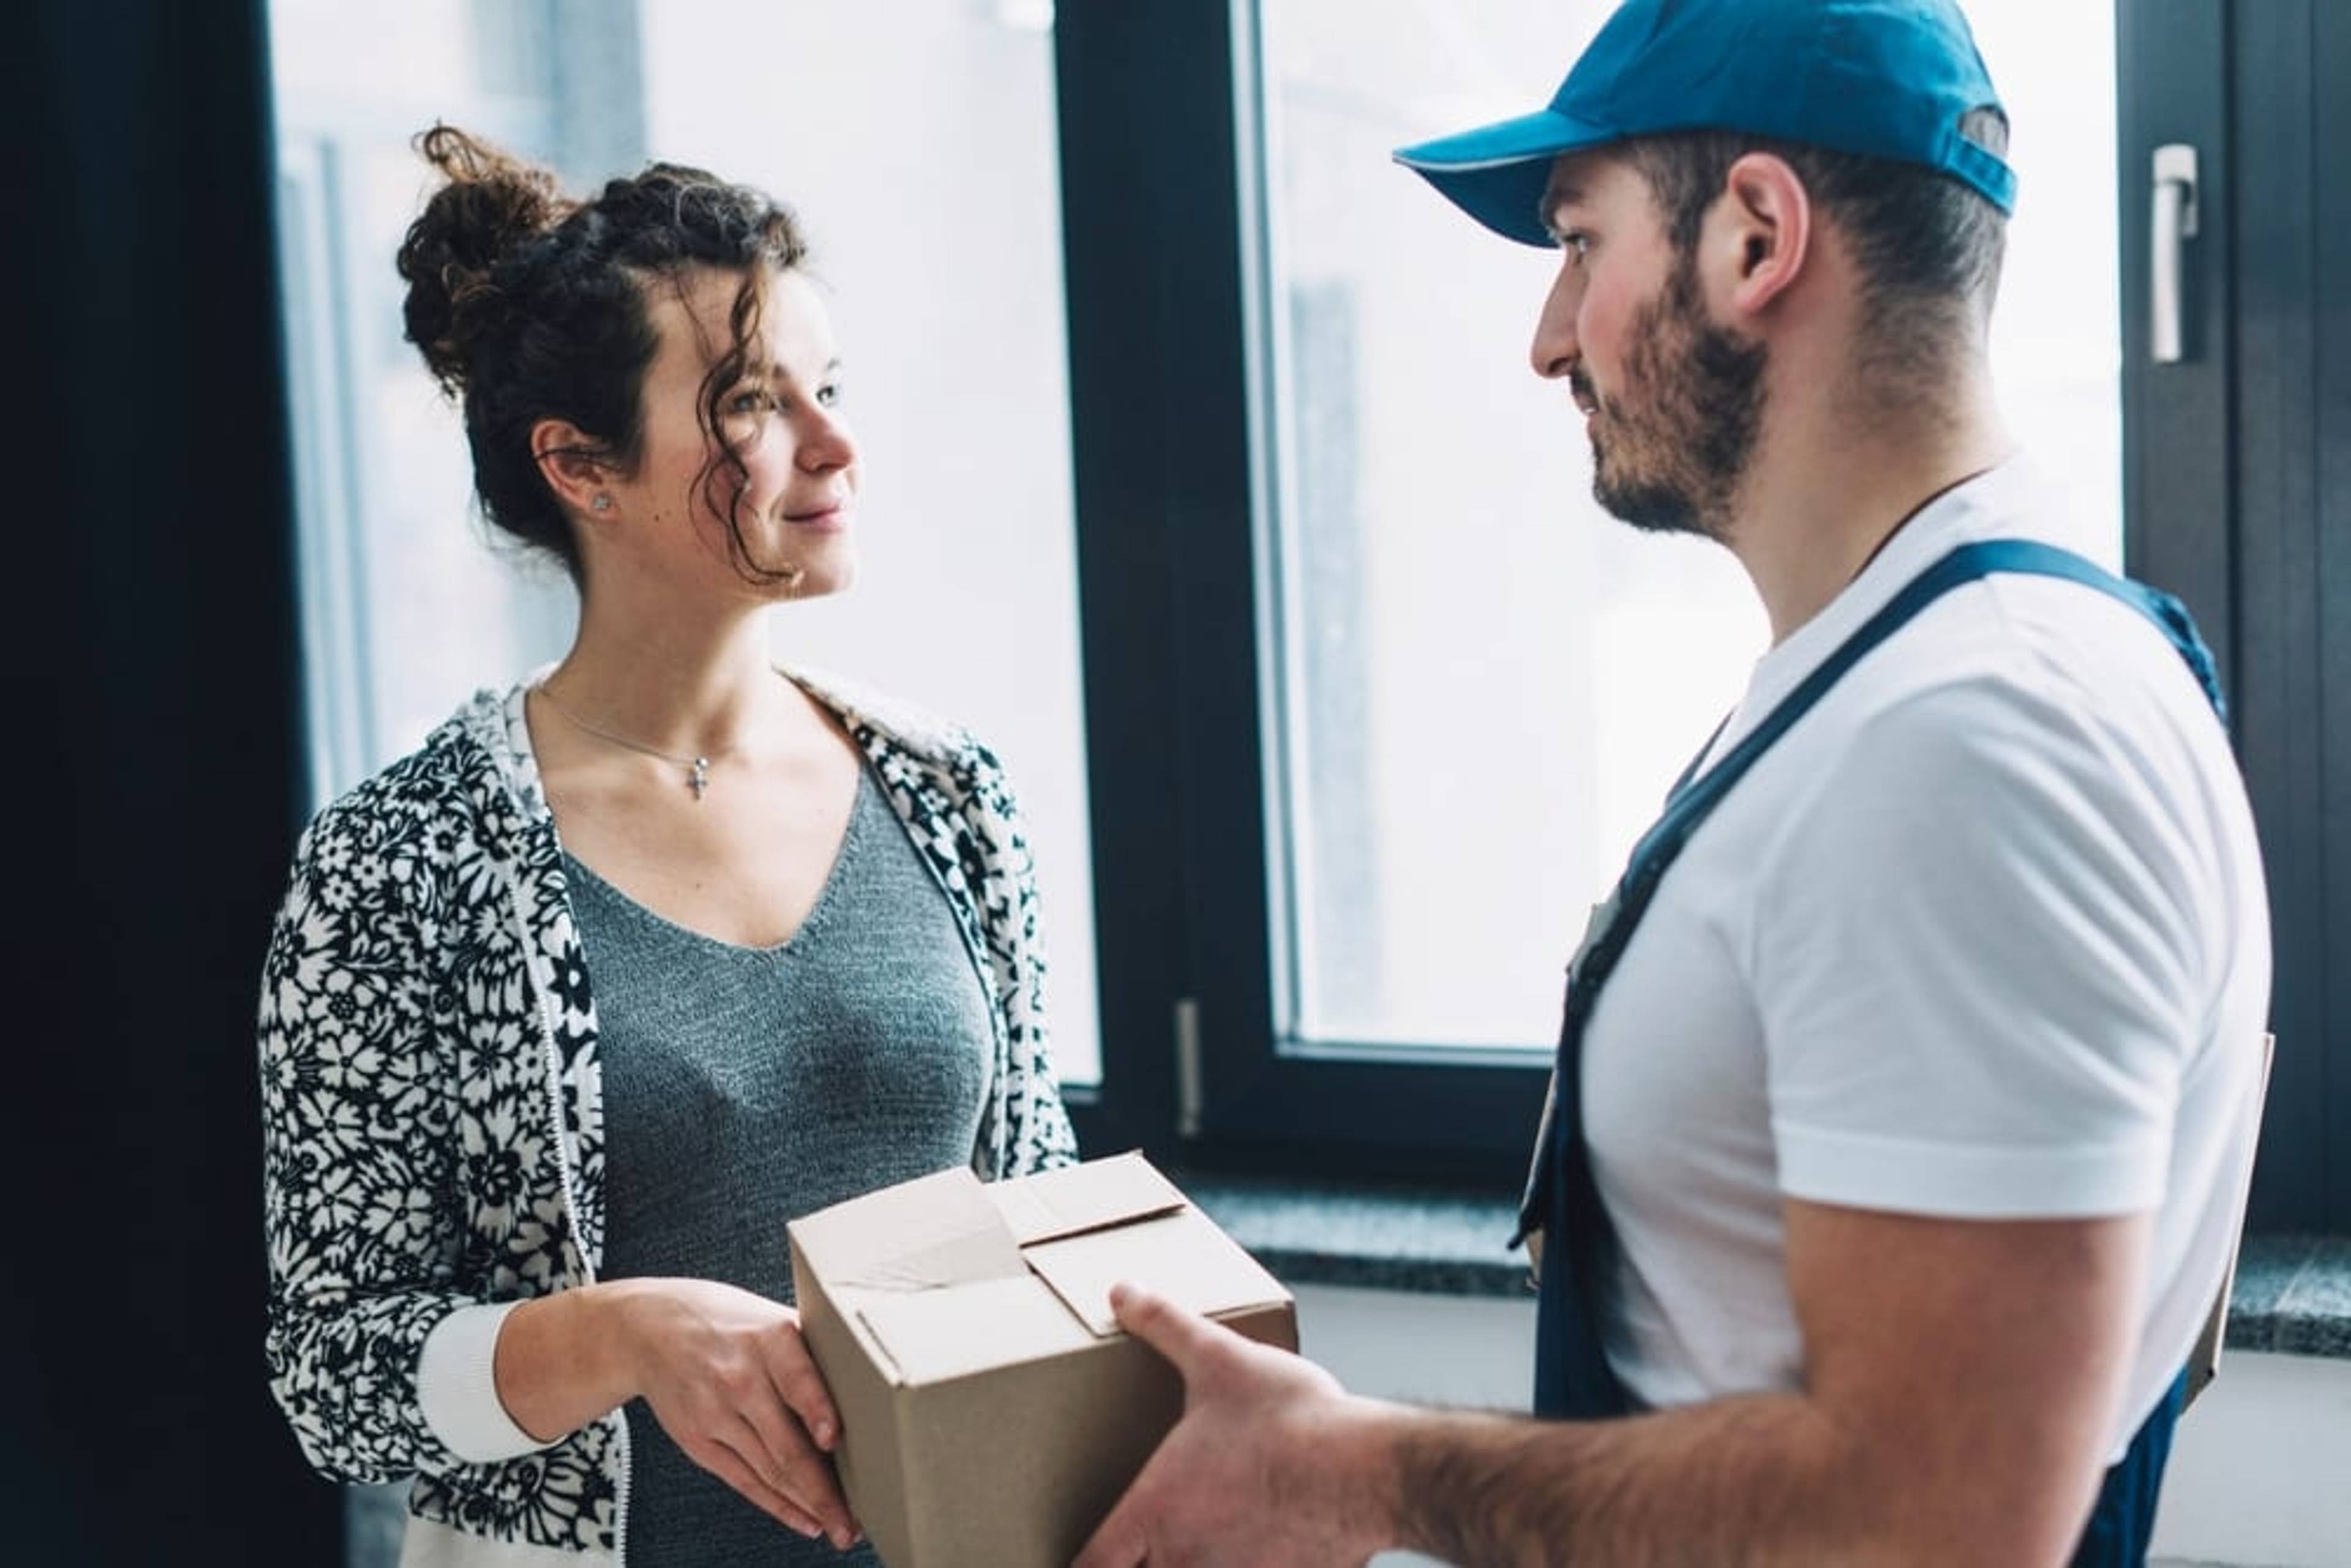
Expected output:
(492, 204)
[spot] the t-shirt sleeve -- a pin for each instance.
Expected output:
(1975, 953)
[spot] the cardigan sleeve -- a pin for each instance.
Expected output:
(359, 1197)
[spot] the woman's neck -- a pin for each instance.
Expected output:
(684, 689)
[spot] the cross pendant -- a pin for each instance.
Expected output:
(697, 778)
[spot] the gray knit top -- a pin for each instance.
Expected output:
(746, 1086)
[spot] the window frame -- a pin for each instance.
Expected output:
(1168, 486)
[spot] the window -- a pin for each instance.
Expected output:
(1420, 743)
(1478, 688)
(1479, 681)
(1372, 700)
(407, 605)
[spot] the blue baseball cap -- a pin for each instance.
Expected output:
(1887, 79)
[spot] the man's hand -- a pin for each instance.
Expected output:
(1273, 1462)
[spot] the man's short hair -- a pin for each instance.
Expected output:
(1928, 247)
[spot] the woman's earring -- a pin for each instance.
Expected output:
(602, 503)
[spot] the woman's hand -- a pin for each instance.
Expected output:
(729, 1378)
(725, 1372)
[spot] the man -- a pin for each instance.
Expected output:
(1908, 1089)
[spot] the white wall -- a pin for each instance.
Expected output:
(2260, 1476)
(2260, 1471)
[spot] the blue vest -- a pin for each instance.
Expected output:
(1572, 1377)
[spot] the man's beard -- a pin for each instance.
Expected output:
(1681, 436)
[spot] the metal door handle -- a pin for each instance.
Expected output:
(2173, 210)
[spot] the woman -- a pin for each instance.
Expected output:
(567, 1012)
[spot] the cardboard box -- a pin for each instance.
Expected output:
(992, 1410)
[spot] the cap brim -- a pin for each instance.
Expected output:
(1497, 173)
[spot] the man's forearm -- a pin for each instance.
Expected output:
(1961, 1382)
(1760, 1481)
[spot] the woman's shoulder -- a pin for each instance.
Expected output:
(461, 762)
(896, 725)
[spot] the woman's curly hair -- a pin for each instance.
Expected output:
(528, 304)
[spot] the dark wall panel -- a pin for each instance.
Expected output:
(2238, 473)
(154, 750)
(2173, 87)
(2276, 367)
(2330, 318)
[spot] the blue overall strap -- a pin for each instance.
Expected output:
(1572, 1376)
(2122, 1522)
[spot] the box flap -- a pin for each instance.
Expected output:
(934, 1336)
(1181, 1256)
(921, 1235)
(1078, 1198)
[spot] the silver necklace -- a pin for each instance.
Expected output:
(698, 768)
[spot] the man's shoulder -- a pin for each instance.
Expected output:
(2051, 654)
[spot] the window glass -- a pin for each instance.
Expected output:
(1481, 685)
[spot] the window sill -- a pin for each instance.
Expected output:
(2293, 1293)
(1392, 1239)
(2293, 1296)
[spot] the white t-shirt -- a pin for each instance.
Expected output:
(1983, 936)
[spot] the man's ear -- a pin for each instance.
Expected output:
(574, 464)
(1759, 237)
